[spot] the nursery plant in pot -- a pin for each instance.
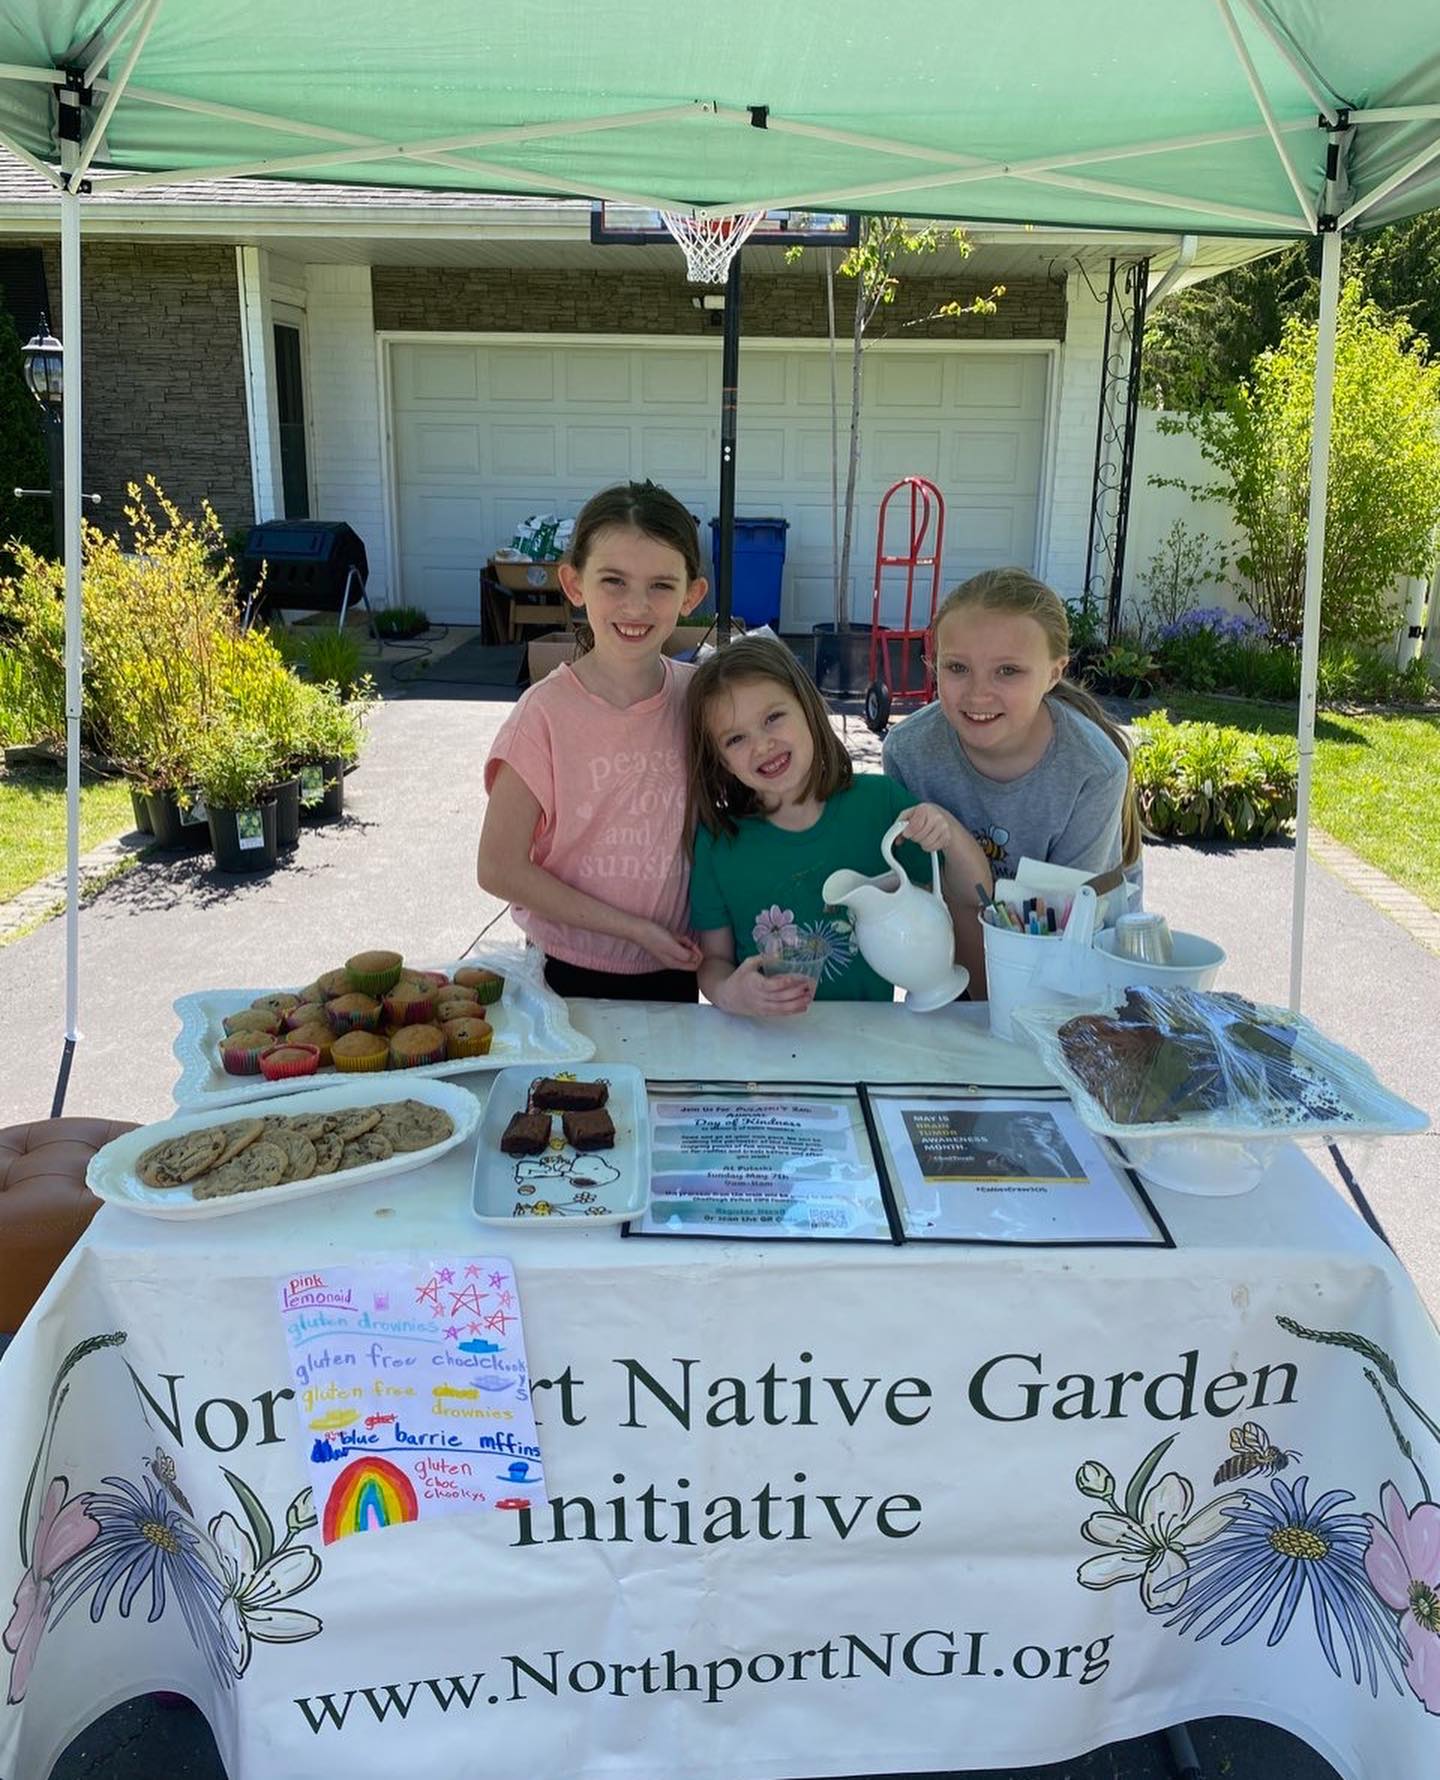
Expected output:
(328, 737)
(236, 770)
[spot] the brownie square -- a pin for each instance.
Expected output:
(526, 1134)
(588, 1130)
(551, 1094)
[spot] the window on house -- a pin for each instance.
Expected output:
(290, 403)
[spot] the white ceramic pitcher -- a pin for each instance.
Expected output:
(904, 933)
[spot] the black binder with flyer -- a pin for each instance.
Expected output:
(821, 1161)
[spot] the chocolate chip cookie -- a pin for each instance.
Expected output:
(262, 1165)
(180, 1160)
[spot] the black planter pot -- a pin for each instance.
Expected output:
(176, 830)
(244, 840)
(287, 812)
(322, 790)
(140, 809)
(842, 658)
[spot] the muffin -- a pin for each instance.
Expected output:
(240, 1054)
(451, 1006)
(307, 1014)
(276, 1004)
(413, 1045)
(467, 1036)
(428, 979)
(407, 1005)
(316, 1033)
(487, 984)
(354, 1052)
(372, 973)
(333, 983)
(281, 1062)
(252, 1019)
(352, 1013)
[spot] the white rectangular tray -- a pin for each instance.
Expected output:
(563, 1187)
(531, 1022)
(111, 1174)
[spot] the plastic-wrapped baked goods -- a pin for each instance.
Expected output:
(1186, 1058)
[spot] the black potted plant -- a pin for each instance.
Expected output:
(328, 742)
(236, 769)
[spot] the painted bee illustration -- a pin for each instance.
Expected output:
(1254, 1455)
(162, 1469)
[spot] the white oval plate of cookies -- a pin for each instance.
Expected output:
(207, 1165)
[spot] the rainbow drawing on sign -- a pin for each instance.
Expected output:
(370, 1492)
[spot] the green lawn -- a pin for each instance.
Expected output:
(32, 821)
(1376, 781)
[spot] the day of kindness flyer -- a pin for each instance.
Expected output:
(412, 1390)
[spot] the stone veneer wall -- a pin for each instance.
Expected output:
(486, 300)
(164, 376)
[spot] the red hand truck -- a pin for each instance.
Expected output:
(927, 506)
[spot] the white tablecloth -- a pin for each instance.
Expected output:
(821, 1510)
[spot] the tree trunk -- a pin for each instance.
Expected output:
(842, 586)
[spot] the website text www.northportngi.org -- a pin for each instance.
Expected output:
(931, 1654)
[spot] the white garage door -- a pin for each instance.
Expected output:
(484, 434)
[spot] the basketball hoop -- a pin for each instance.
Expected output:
(709, 243)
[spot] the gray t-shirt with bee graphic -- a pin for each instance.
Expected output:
(1065, 810)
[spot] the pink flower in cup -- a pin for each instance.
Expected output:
(1403, 1564)
(64, 1531)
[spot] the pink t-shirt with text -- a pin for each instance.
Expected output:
(611, 790)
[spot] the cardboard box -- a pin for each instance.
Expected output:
(544, 654)
(528, 577)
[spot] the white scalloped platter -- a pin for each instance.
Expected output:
(111, 1174)
(531, 1022)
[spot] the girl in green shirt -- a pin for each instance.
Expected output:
(774, 807)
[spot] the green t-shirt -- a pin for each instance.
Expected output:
(766, 881)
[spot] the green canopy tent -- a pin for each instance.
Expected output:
(1268, 118)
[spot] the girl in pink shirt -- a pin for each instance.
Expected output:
(584, 828)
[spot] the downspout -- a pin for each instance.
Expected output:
(1179, 266)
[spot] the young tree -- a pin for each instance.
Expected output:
(874, 264)
(24, 462)
(1384, 490)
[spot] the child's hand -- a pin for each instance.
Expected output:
(747, 991)
(930, 827)
(674, 951)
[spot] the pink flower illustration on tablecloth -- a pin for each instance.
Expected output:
(775, 927)
(64, 1531)
(1403, 1564)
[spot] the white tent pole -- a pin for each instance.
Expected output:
(74, 620)
(1314, 570)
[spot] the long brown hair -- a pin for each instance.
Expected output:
(716, 799)
(642, 507)
(1019, 594)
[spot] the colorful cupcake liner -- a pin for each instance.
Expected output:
(476, 1045)
(237, 1058)
(435, 1055)
(352, 1021)
(489, 993)
(374, 982)
(362, 1065)
(276, 1067)
(405, 1010)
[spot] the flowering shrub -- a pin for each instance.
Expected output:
(1226, 627)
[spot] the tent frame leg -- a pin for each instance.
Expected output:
(72, 417)
(1314, 574)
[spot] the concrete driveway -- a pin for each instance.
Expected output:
(400, 871)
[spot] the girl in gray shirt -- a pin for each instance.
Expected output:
(1029, 763)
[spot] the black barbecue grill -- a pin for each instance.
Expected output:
(312, 565)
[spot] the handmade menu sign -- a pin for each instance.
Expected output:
(998, 1170)
(752, 1162)
(412, 1390)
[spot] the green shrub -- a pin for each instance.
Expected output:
(1199, 781)
(234, 763)
(1185, 562)
(332, 656)
(28, 712)
(399, 622)
(1124, 670)
(1351, 676)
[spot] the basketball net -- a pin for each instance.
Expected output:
(709, 243)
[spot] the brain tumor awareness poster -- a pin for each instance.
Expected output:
(412, 1390)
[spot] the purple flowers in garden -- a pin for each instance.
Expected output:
(1223, 625)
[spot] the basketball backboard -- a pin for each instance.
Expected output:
(627, 225)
